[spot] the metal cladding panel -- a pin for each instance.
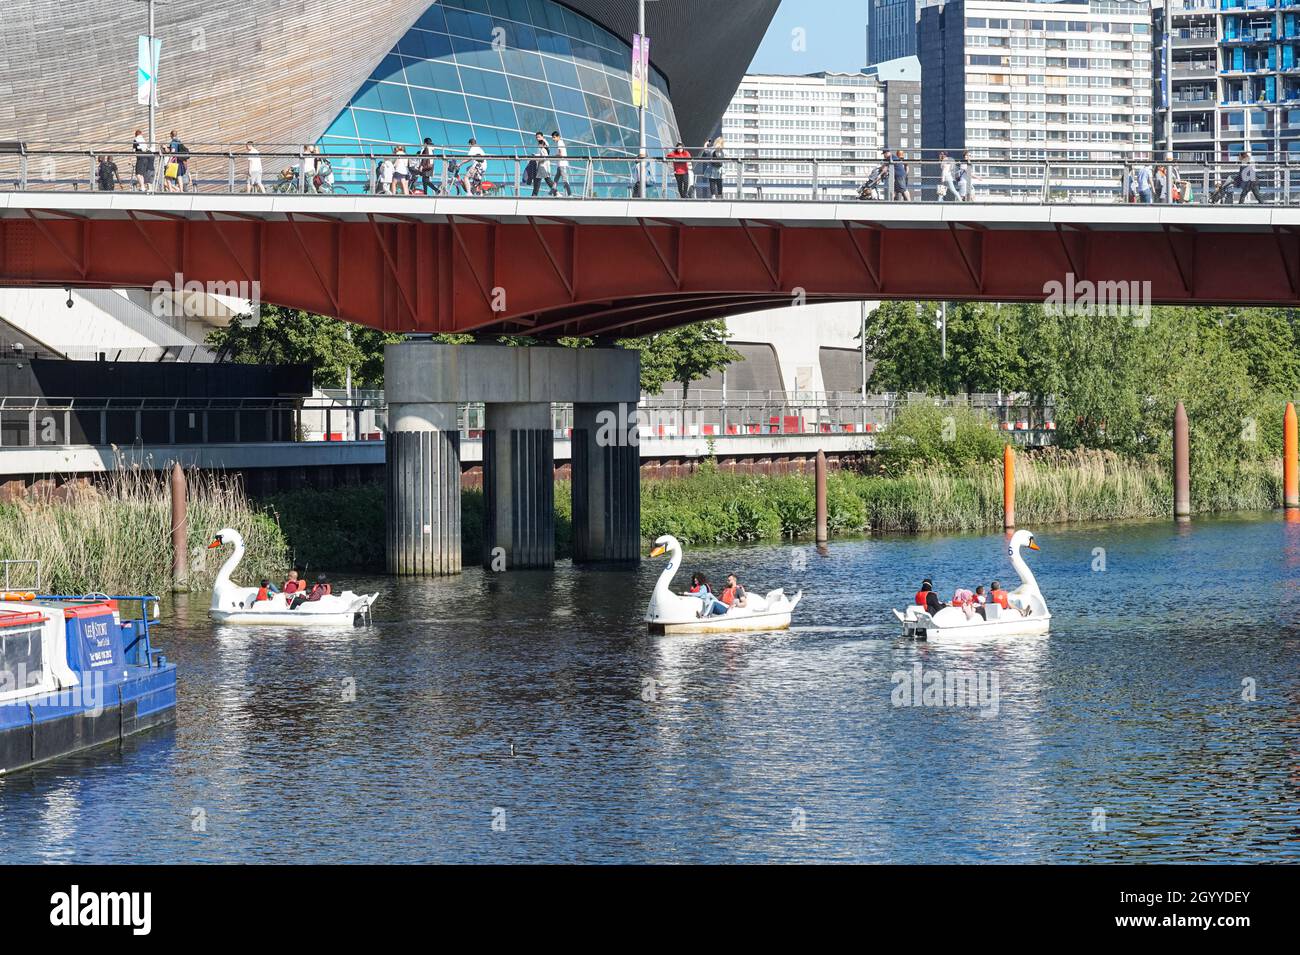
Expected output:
(272, 71)
(703, 47)
(529, 481)
(423, 498)
(606, 500)
(279, 71)
(532, 532)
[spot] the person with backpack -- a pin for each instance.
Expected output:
(106, 176)
(181, 156)
(540, 166)
(422, 174)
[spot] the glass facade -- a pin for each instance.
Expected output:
(499, 71)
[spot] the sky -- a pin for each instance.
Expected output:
(834, 35)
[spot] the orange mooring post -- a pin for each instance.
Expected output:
(1008, 487)
(1182, 467)
(822, 532)
(180, 529)
(1290, 459)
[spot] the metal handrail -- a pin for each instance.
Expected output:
(1023, 174)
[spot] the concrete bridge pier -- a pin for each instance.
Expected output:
(518, 485)
(423, 489)
(426, 381)
(606, 483)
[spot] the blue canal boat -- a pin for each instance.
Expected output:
(74, 674)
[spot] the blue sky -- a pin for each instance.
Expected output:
(835, 32)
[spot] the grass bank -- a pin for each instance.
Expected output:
(1052, 487)
(115, 538)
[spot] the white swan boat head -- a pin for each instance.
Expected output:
(233, 604)
(680, 613)
(1026, 613)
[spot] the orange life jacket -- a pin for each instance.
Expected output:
(261, 594)
(920, 597)
(1000, 598)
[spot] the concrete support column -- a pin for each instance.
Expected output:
(518, 485)
(606, 483)
(422, 452)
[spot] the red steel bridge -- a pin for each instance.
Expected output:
(556, 266)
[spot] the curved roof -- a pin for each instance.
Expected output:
(702, 46)
(278, 71)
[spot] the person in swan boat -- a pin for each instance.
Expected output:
(712, 605)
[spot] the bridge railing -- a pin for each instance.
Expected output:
(38, 422)
(1026, 175)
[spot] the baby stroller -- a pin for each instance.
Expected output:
(871, 189)
(1223, 191)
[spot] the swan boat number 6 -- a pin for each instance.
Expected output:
(239, 605)
(1026, 614)
(679, 613)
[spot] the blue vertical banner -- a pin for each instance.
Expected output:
(146, 88)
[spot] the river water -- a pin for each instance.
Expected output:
(1127, 735)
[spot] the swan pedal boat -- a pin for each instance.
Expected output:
(951, 623)
(233, 604)
(671, 613)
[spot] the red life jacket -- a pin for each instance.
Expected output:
(261, 594)
(292, 586)
(920, 597)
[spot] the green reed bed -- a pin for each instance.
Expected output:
(116, 538)
(1052, 487)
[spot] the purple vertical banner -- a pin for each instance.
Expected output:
(638, 71)
(645, 71)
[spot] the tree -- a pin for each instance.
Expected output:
(901, 337)
(683, 355)
(286, 336)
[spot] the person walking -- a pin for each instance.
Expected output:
(254, 180)
(719, 157)
(680, 157)
(182, 157)
(947, 179)
(106, 177)
(401, 172)
(307, 169)
(901, 192)
(473, 180)
(561, 150)
(144, 163)
(1247, 178)
(541, 164)
(422, 169)
(965, 178)
(1143, 183)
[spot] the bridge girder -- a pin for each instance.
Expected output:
(552, 277)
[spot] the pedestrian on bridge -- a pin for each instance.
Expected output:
(901, 192)
(1248, 178)
(680, 157)
(947, 179)
(254, 182)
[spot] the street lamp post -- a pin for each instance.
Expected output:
(644, 68)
